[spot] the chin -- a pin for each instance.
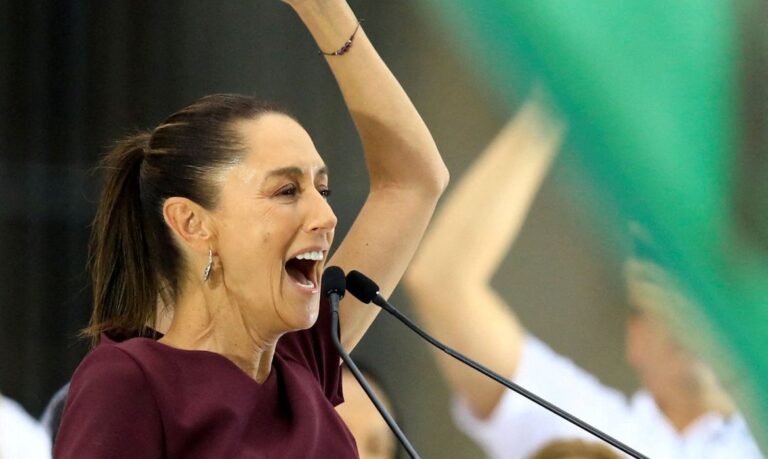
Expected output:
(305, 315)
(312, 313)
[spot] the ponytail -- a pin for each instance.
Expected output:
(135, 264)
(125, 286)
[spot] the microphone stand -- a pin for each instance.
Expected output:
(334, 298)
(380, 301)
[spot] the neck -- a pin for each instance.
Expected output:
(206, 321)
(684, 408)
(682, 415)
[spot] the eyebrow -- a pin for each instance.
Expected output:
(294, 171)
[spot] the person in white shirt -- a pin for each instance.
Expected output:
(680, 412)
(21, 437)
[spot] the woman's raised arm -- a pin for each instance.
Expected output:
(407, 174)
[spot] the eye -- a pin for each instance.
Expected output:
(325, 192)
(288, 190)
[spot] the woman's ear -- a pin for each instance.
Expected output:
(190, 223)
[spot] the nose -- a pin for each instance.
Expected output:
(321, 216)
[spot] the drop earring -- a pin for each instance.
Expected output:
(207, 270)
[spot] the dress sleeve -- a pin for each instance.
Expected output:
(518, 428)
(110, 410)
(314, 349)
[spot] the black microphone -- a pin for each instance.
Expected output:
(333, 286)
(365, 290)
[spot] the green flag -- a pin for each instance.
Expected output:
(652, 92)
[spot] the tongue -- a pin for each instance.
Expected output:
(296, 274)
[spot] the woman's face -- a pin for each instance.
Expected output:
(274, 226)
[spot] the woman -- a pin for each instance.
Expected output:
(221, 211)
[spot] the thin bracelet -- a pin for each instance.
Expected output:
(347, 45)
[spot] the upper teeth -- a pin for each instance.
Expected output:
(310, 256)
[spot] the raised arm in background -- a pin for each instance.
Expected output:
(407, 175)
(449, 280)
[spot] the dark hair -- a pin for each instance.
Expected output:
(562, 449)
(134, 264)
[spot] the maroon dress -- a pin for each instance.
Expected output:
(143, 399)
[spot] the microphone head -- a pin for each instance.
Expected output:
(361, 287)
(333, 281)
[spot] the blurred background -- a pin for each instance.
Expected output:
(77, 75)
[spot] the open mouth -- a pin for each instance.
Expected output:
(303, 268)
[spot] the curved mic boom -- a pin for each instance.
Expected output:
(333, 286)
(366, 290)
